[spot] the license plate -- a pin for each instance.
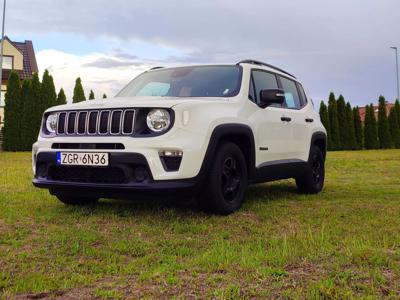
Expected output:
(95, 159)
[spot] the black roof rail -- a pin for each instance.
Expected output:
(260, 63)
(155, 68)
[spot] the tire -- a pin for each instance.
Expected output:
(312, 180)
(226, 183)
(73, 200)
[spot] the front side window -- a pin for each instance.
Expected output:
(263, 81)
(291, 93)
(196, 81)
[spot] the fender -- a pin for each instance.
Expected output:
(236, 133)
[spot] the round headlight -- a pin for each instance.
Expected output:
(158, 120)
(51, 123)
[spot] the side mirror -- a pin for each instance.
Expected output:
(271, 96)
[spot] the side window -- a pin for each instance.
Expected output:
(303, 96)
(263, 80)
(291, 93)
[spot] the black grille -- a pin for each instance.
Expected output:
(102, 122)
(71, 123)
(61, 123)
(110, 175)
(116, 122)
(103, 146)
(92, 127)
(82, 122)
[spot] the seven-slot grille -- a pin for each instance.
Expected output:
(96, 122)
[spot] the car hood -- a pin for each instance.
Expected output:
(130, 102)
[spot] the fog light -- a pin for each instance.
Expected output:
(140, 174)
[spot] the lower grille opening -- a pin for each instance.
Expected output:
(171, 163)
(110, 175)
(103, 146)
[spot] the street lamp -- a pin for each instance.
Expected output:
(397, 72)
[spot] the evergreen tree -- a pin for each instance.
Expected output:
(333, 123)
(61, 98)
(26, 118)
(385, 140)
(79, 94)
(37, 114)
(12, 114)
(49, 96)
(397, 109)
(394, 126)
(370, 130)
(323, 114)
(351, 128)
(91, 95)
(343, 124)
(358, 128)
(104, 96)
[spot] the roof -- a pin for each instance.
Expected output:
(30, 65)
(362, 111)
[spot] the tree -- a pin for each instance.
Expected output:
(385, 140)
(37, 113)
(79, 94)
(370, 130)
(397, 109)
(351, 129)
(343, 124)
(49, 96)
(26, 117)
(91, 95)
(12, 114)
(323, 114)
(358, 128)
(394, 126)
(61, 98)
(333, 123)
(104, 96)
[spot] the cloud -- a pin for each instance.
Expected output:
(95, 70)
(106, 63)
(336, 45)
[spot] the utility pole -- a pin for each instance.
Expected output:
(397, 71)
(2, 46)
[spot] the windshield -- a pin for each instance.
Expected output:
(198, 81)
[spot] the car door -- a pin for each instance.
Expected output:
(296, 119)
(273, 133)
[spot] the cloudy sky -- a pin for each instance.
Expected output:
(331, 45)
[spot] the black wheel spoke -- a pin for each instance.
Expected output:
(230, 179)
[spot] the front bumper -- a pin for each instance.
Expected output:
(127, 175)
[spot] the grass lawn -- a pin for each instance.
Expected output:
(342, 243)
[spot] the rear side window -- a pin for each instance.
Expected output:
(291, 93)
(262, 81)
(303, 97)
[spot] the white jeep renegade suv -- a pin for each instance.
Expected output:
(207, 131)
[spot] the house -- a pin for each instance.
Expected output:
(362, 111)
(18, 56)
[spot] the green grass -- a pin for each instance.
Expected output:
(342, 243)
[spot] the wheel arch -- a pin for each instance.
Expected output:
(319, 139)
(241, 135)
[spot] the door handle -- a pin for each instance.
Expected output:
(308, 120)
(286, 119)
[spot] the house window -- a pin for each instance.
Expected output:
(8, 62)
(3, 96)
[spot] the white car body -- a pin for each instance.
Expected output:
(195, 121)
